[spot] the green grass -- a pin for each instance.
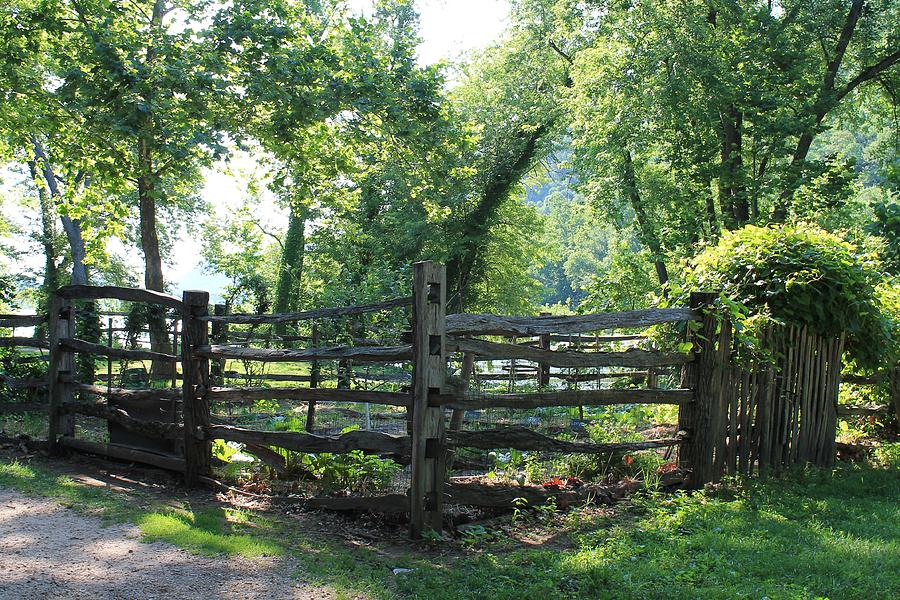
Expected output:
(202, 532)
(810, 534)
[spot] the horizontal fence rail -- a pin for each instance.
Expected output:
(360, 353)
(22, 320)
(24, 342)
(314, 394)
(126, 453)
(95, 292)
(602, 397)
(77, 345)
(170, 431)
(129, 394)
(373, 442)
(477, 324)
(318, 313)
(629, 358)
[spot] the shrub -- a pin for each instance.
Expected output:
(800, 275)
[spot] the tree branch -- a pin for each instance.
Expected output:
(559, 51)
(868, 73)
(269, 233)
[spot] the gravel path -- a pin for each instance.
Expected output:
(47, 551)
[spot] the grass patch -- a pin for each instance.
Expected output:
(203, 532)
(811, 534)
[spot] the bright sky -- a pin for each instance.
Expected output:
(449, 29)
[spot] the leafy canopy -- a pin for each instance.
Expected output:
(800, 275)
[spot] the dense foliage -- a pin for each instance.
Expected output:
(576, 162)
(800, 275)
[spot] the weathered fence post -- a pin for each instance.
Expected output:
(61, 325)
(544, 368)
(699, 419)
(218, 335)
(314, 374)
(429, 351)
(195, 384)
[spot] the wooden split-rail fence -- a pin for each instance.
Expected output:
(736, 414)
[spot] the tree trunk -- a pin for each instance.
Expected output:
(153, 273)
(473, 231)
(48, 243)
(711, 219)
(732, 189)
(72, 227)
(287, 290)
(648, 235)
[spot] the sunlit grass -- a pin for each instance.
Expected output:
(203, 532)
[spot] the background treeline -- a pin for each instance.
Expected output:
(580, 161)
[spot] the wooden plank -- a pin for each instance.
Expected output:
(267, 377)
(101, 292)
(564, 398)
(630, 358)
(7, 320)
(371, 442)
(319, 313)
(596, 339)
(362, 353)
(475, 324)
(25, 342)
(129, 394)
(522, 438)
(170, 463)
(121, 417)
(195, 382)
(7, 408)
(597, 376)
(76, 345)
(309, 394)
(504, 376)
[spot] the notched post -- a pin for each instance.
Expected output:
(429, 448)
